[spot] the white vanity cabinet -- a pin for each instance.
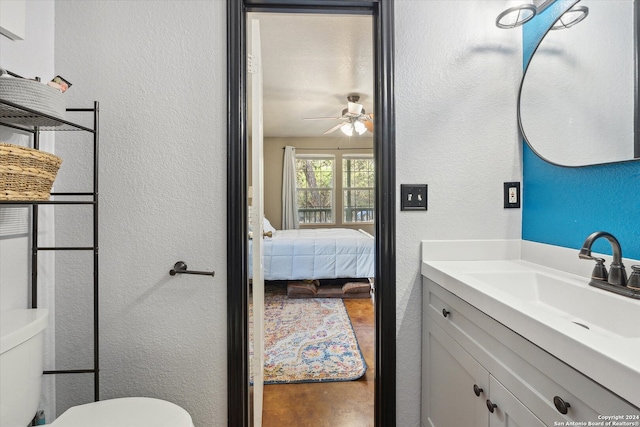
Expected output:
(471, 362)
(458, 391)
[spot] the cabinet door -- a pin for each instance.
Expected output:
(449, 376)
(508, 411)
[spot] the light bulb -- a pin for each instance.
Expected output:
(359, 127)
(347, 129)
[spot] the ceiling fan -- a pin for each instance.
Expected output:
(353, 118)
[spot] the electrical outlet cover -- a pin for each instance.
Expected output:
(511, 192)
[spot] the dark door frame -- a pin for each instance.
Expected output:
(384, 154)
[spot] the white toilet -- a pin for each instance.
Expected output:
(21, 363)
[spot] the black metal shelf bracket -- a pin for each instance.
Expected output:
(70, 371)
(181, 268)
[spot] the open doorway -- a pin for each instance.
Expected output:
(384, 221)
(319, 315)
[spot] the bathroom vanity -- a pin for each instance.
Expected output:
(511, 339)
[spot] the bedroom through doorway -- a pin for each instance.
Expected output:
(318, 202)
(238, 355)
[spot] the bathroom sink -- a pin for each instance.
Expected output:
(542, 293)
(568, 298)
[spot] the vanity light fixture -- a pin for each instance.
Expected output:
(520, 11)
(516, 14)
(571, 17)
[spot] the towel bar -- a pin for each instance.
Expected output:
(181, 268)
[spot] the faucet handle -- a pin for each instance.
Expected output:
(599, 271)
(634, 278)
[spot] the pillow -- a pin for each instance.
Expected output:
(268, 227)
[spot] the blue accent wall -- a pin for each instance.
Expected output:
(561, 205)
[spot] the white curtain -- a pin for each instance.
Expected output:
(289, 200)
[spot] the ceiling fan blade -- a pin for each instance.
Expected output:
(336, 127)
(369, 125)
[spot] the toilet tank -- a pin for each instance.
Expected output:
(21, 363)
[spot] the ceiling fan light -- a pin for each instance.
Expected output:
(359, 127)
(347, 129)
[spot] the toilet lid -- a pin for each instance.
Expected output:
(125, 412)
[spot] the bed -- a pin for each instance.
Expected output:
(319, 253)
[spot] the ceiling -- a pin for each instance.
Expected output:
(311, 63)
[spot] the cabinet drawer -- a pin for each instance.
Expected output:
(535, 377)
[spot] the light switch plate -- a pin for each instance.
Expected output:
(413, 197)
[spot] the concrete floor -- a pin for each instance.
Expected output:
(344, 403)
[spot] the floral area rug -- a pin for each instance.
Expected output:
(309, 340)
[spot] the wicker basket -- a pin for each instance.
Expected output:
(25, 173)
(30, 94)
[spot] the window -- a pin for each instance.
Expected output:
(314, 187)
(358, 178)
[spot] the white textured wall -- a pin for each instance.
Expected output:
(456, 85)
(158, 70)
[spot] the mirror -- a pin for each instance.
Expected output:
(578, 96)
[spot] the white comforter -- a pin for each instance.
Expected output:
(319, 253)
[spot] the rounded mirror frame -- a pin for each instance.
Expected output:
(560, 8)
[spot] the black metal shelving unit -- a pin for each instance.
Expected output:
(18, 117)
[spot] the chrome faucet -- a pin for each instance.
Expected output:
(617, 274)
